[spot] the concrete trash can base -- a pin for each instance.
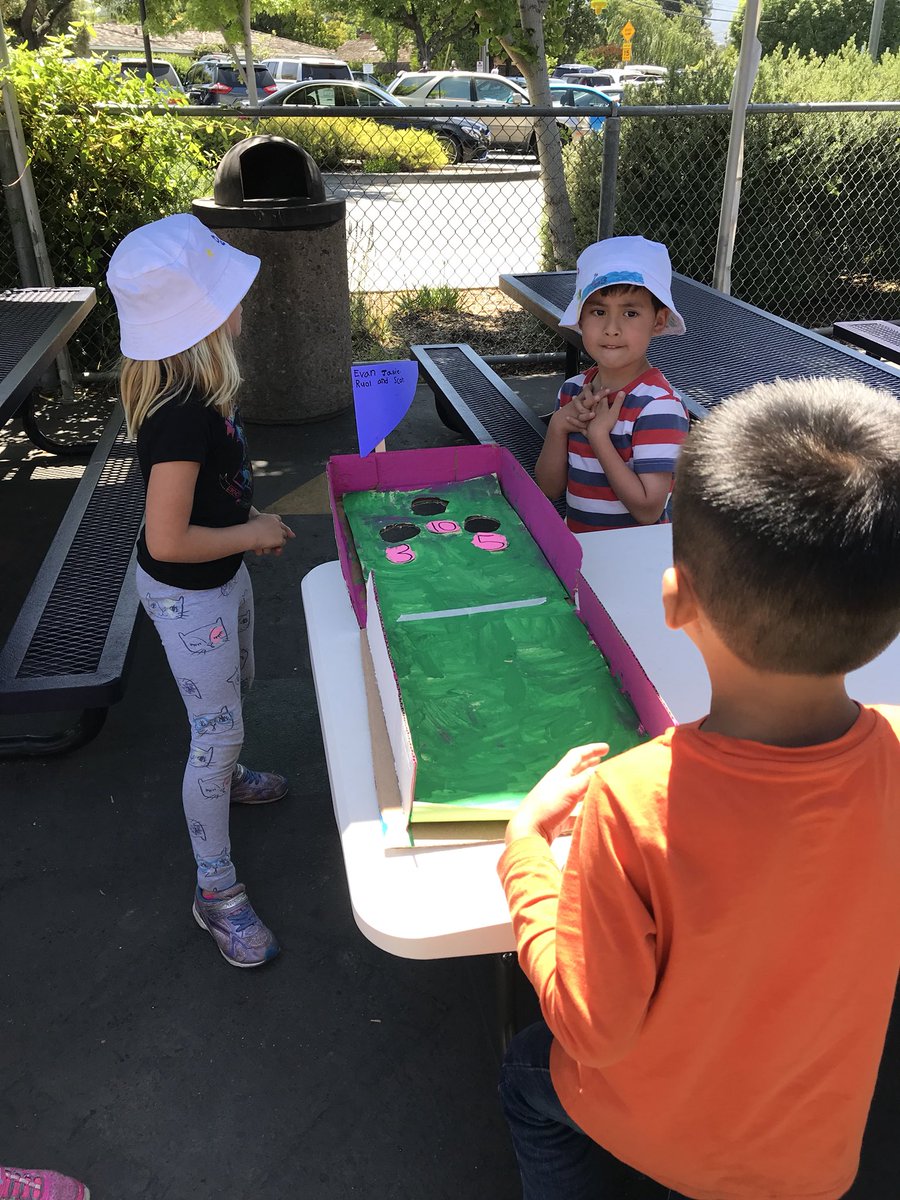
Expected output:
(294, 350)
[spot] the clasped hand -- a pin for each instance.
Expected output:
(597, 407)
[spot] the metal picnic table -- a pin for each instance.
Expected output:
(729, 344)
(881, 338)
(35, 325)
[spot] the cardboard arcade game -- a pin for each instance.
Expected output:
(491, 654)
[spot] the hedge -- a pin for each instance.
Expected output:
(817, 235)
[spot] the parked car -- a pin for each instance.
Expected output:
(572, 95)
(293, 70)
(165, 77)
(462, 139)
(613, 80)
(216, 80)
(462, 89)
(563, 69)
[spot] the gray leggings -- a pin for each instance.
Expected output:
(208, 640)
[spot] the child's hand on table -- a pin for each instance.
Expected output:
(546, 807)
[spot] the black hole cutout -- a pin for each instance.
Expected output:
(401, 532)
(427, 506)
(482, 524)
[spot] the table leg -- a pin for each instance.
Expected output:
(573, 360)
(38, 438)
(507, 966)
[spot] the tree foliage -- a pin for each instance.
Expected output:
(32, 22)
(663, 35)
(306, 21)
(819, 26)
(434, 26)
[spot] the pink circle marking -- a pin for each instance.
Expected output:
(399, 554)
(490, 541)
(442, 527)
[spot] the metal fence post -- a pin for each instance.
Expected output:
(606, 216)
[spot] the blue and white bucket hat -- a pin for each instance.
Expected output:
(624, 260)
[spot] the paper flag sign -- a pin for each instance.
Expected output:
(382, 393)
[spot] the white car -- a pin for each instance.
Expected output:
(294, 70)
(475, 89)
(612, 80)
(164, 74)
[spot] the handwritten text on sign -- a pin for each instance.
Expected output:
(382, 393)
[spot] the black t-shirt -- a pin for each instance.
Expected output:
(186, 430)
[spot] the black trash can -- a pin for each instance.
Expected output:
(294, 351)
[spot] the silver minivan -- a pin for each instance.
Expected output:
(475, 90)
(293, 70)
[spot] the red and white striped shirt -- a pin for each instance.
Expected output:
(647, 436)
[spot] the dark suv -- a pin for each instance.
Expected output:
(218, 81)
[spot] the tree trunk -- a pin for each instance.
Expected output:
(421, 46)
(531, 59)
(248, 54)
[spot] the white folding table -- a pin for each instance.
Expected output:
(439, 902)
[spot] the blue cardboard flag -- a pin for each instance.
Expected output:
(382, 393)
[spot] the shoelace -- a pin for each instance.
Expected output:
(248, 776)
(242, 918)
(17, 1186)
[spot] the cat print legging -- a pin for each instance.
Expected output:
(208, 640)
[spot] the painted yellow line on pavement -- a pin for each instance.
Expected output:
(310, 499)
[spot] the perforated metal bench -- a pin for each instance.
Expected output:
(473, 401)
(70, 646)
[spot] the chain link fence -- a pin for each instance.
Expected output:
(818, 235)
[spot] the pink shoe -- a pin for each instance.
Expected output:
(22, 1183)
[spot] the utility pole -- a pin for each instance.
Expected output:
(148, 53)
(875, 29)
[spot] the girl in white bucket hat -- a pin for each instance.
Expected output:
(612, 443)
(178, 290)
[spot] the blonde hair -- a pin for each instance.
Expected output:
(209, 368)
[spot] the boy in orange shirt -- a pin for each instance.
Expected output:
(717, 961)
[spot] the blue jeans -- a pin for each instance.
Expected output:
(557, 1160)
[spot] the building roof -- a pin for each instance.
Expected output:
(363, 49)
(124, 38)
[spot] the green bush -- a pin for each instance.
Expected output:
(816, 234)
(99, 174)
(427, 300)
(338, 143)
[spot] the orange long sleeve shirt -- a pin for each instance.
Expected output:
(718, 958)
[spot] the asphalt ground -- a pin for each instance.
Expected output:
(132, 1056)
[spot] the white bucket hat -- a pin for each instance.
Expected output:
(624, 260)
(174, 282)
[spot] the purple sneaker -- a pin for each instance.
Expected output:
(236, 929)
(256, 787)
(21, 1183)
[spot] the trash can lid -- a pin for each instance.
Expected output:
(269, 182)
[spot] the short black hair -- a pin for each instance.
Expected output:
(622, 289)
(786, 518)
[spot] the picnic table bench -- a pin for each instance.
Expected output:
(70, 646)
(729, 346)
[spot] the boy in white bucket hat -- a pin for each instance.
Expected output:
(613, 440)
(178, 290)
